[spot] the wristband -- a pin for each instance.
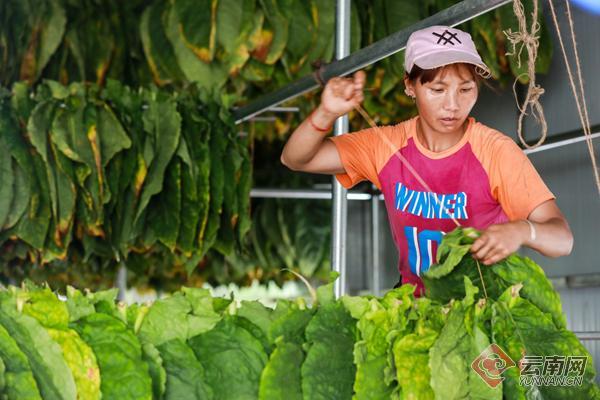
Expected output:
(315, 127)
(532, 232)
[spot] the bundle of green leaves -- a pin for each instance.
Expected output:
(190, 345)
(92, 176)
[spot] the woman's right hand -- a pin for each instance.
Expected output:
(341, 95)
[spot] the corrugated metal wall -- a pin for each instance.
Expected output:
(583, 315)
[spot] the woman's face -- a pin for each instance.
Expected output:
(445, 103)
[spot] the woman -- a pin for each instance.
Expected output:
(478, 177)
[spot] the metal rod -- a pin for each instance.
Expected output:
(375, 248)
(306, 194)
(121, 281)
(587, 335)
(452, 16)
(561, 143)
(284, 109)
(263, 119)
(340, 203)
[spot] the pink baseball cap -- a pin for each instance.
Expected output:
(437, 46)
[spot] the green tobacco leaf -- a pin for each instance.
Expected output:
(537, 288)
(277, 29)
(66, 195)
(151, 356)
(196, 177)
(48, 23)
(445, 280)
(124, 375)
(18, 376)
(211, 75)
(188, 314)
(33, 225)
(16, 187)
(459, 343)
(229, 217)
(44, 306)
(50, 370)
(521, 329)
(189, 210)
(234, 24)
(378, 322)
(113, 138)
(411, 358)
(256, 312)
(244, 187)
(323, 12)
(162, 124)
(21, 197)
(81, 361)
(218, 144)
(165, 208)
(7, 181)
(233, 360)
(289, 322)
(302, 34)
(281, 377)
(173, 311)
(157, 48)
(330, 335)
(185, 375)
(198, 28)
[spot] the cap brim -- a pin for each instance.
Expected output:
(451, 56)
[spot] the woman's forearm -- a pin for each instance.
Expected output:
(553, 238)
(306, 140)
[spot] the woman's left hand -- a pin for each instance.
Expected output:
(499, 241)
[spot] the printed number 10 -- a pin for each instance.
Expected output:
(420, 248)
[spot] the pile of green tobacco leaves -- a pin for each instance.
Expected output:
(190, 345)
(95, 175)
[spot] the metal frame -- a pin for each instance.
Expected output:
(452, 16)
(342, 124)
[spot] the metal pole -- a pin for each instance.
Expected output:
(452, 16)
(375, 259)
(121, 281)
(340, 203)
(306, 194)
(591, 335)
(561, 143)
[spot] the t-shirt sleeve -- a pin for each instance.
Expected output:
(358, 153)
(515, 182)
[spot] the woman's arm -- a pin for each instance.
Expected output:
(307, 149)
(553, 237)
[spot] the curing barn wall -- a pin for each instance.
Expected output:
(566, 170)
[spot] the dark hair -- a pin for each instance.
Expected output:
(428, 75)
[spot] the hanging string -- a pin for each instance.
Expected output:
(481, 277)
(581, 108)
(404, 161)
(530, 41)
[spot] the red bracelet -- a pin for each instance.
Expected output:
(310, 121)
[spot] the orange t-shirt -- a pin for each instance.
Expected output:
(483, 179)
